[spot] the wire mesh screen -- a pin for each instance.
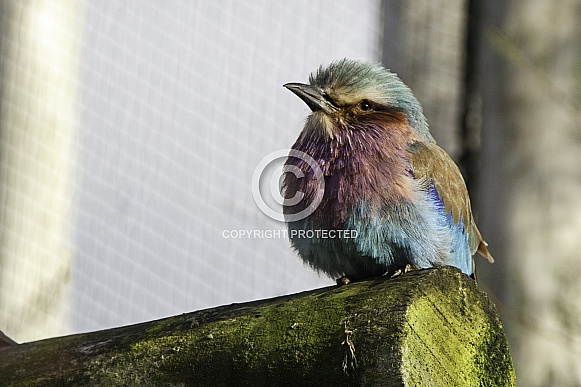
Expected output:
(177, 103)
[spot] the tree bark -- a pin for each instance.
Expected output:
(433, 327)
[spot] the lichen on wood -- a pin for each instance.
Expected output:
(430, 326)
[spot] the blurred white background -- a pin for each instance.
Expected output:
(177, 102)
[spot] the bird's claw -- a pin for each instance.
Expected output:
(343, 281)
(402, 270)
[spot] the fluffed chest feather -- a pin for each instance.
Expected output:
(355, 170)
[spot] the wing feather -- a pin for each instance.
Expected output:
(431, 164)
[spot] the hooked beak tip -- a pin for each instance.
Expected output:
(311, 95)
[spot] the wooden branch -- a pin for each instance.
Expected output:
(430, 328)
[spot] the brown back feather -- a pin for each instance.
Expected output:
(432, 163)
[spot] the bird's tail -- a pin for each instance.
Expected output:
(478, 244)
(484, 251)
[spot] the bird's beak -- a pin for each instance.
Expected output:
(312, 96)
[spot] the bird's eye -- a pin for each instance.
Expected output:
(365, 105)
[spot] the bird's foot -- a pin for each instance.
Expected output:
(344, 281)
(402, 270)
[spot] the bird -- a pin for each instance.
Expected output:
(385, 180)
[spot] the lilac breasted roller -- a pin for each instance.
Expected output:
(385, 179)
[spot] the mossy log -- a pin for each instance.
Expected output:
(425, 328)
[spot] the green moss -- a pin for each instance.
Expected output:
(432, 326)
(247, 348)
(452, 339)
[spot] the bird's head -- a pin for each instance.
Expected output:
(347, 93)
